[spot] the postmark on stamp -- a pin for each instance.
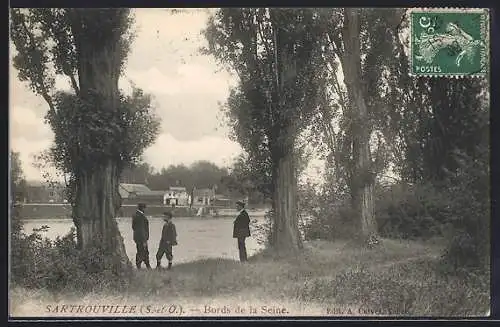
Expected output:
(449, 42)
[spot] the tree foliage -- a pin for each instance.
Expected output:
(334, 122)
(276, 54)
(17, 183)
(200, 174)
(49, 42)
(428, 130)
(264, 108)
(452, 116)
(98, 131)
(246, 178)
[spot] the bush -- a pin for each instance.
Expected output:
(38, 262)
(325, 213)
(458, 209)
(331, 223)
(418, 211)
(261, 230)
(405, 211)
(469, 185)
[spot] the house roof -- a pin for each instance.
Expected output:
(125, 189)
(136, 188)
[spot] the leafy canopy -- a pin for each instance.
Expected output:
(88, 130)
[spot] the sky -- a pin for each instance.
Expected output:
(164, 61)
(187, 88)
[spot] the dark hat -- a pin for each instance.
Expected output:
(241, 203)
(141, 205)
(167, 214)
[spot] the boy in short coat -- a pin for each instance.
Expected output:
(168, 239)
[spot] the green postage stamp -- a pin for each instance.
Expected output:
(450, 42)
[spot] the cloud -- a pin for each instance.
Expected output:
(169, 151)
(199, 78)
(24, 115)
(189, 79)
(27, 123)
(163, 39)
(153, 81)
(165, 62)
(169, 26)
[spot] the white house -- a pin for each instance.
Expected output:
(176, 195)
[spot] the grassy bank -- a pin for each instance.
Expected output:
(397, 278)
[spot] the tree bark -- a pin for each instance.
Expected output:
(363, 184)
(97, 201)
(285, 235)
(97, 197)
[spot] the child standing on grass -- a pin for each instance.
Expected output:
(168, 239)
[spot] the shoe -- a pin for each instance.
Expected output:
(169, 266)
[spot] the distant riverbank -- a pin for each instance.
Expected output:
(63, 211)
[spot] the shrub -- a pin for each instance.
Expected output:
(38, 262)
(261, 230)
(418, 211)
(470, 242)
(402, 211)
(331, 223)
(324, 213)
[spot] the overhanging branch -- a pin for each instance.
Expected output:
(38, 78)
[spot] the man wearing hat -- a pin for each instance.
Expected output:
(241, 229)
(140, 226)
(168, 239)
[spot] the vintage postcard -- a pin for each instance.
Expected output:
(249, 162)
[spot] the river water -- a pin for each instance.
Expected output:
(197, 238)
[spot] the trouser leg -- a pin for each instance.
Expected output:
(159, 255)
(242, 249)
(138, 255)
(142, 255)
(169, 254)
(146, 257)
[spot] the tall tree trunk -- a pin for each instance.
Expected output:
(97, 201)
(285, 234)
(97, 196)
(363, 186)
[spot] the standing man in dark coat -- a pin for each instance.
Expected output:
(140, 226)
(241, 229)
